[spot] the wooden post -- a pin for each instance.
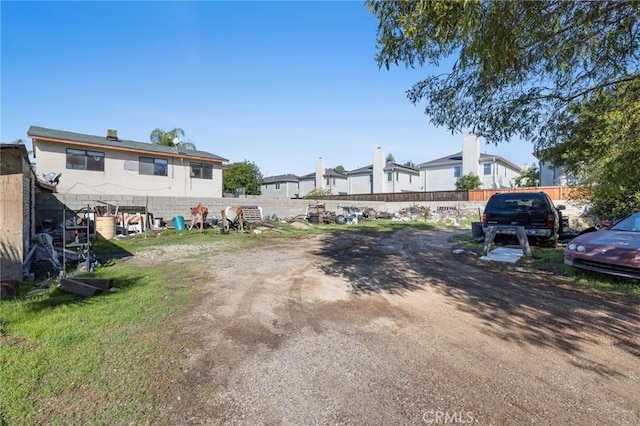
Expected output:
(524, 241)
(520, 233)
(489, 237)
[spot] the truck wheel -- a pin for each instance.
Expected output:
(341, 220)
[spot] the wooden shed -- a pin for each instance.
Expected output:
(17, 209)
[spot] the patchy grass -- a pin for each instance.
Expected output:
(105, 359)
(552, 260)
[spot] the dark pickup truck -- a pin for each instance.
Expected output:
(534, 211)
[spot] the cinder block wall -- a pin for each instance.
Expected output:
(50, 206)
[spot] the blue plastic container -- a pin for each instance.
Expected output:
(178, 223)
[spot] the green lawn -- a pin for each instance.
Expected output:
(105, 359)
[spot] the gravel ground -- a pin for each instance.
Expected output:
(391, 328)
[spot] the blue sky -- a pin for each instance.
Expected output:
(276, 83)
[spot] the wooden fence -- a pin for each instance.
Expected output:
(404, 196)
(555, 192)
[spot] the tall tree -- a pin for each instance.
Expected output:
(528, 177)
(391, 158)
(174, 137)
(601, 145)
(517, 65)
(245, 175)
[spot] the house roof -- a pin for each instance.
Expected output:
(335, 173)
(327, 172)
(280, 178)
(62, 136)
(365, 169)
(457, 159)
(396, 166)
(388, 166)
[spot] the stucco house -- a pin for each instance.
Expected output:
(333, 181)
(383, 177)
(281, 186)
(329, 179)
(108, 165)
(380, 177)
(443, 173)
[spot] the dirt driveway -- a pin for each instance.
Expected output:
(392, 328)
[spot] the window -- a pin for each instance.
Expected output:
(397, 176)
(487, 168)
(80, 159)
(153, 166)
(390, 176)
(201, 171)
(410, 178)
(457, 171)
(277, 186)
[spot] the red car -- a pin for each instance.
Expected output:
(614, 250)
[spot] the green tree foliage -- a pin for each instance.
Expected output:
(601, 145)
(529, 177)
(242, 175)
(517, 65)
(470, 181)
(410, 164)
(340, 167)
(390, 158)
(173, 137)
(317, 193)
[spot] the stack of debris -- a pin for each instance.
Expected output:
(419, 213)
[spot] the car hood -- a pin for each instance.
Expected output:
(611, 246)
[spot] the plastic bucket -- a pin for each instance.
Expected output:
(105, 227)
(476, 229)
(313, 218)
(178, 223)
(157, 222)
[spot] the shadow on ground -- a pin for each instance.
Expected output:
(525, 308)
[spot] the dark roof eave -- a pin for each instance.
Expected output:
(60, 136)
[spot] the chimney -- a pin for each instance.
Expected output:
(112, 135)
(320, 171)
(379, 163)
(471, 155)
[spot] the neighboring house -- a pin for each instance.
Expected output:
(306, 184)
(281, 186)
(400, 178)
(443, 173)
(551, 176)
(108, 165)
(331, 180)
(335, 181)
(361, 180)
(17, 209)
(393, 178)
(379, 177)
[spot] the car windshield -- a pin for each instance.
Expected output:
(513, 202)
(629, 223)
